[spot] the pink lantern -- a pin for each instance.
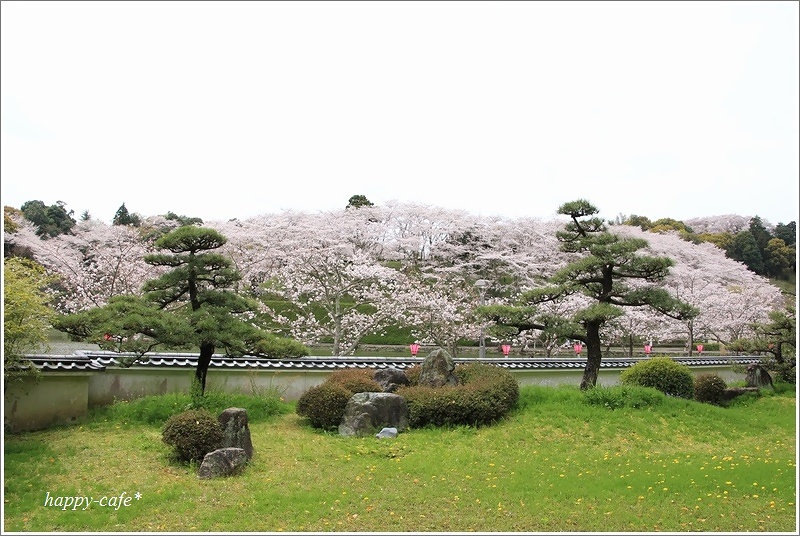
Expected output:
(700, 348)
(506, 348)
(414, 349)
(648, 348)
(578, 347)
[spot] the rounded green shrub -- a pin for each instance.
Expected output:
(324, 404)
(662, 373)
(192, 434)
(709, 388)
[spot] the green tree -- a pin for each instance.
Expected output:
(190, 305)
(26, 315)
(744, 249)
(779, 259)
(643, 222)
(787, 232)
(604, 272)
(760, 233)
(123, 217)
(9, 215)
(777, 340)
(357, 201)
(723, 241)
(183, 220)
(670, 224)
(49, 221)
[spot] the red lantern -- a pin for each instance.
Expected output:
(506, 348)
(414, 349)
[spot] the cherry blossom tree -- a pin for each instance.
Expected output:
(327, 270)
(443, 313)
(727, 223)
(96, 262)
(729, 297)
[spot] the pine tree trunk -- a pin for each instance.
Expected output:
(203, 362)
(594, 353)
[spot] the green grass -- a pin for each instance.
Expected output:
(557, 464)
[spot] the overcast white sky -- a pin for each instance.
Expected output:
(223, 110)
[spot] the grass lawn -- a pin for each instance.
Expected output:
(557, 464)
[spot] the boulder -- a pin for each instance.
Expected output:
(390, 379)
(236, 430)
(758, 376)
(367, 412)
(437, 369)
(226, 461)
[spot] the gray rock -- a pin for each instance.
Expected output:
(236, 430)
(222, 462)
(758, 376)
(390, 379)
(365, 413)
(387, 433)
(437, 369)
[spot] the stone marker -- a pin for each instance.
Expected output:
(236, 430)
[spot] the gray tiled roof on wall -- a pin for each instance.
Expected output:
(99, 360)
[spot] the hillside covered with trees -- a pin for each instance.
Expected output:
(339, 276)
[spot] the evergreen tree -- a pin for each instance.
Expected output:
(123, 217)
(357, 201)
(49, 221)
(787, 233)
(183, 220)
(760, 233)
(604, 273)
(744, 248)
(192, 304)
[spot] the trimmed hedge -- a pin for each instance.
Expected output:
(486, 394)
